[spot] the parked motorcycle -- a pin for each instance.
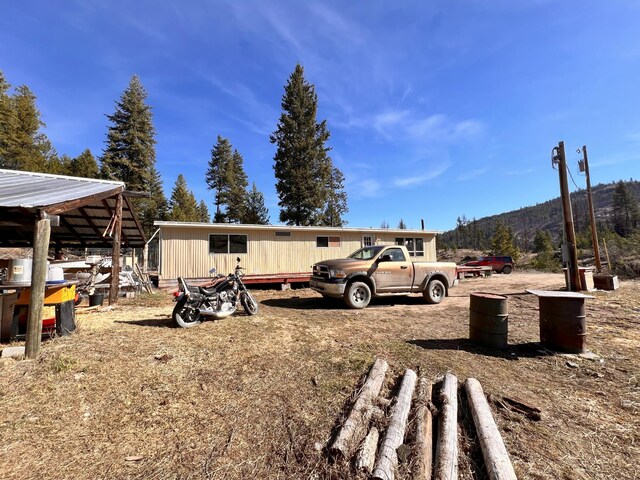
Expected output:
(218, 300)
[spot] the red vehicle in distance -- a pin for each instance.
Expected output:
(500, 264)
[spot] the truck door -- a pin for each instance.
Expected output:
(394, 273)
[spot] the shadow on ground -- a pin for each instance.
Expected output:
(512, 352)
(149, 322)
(319, 303)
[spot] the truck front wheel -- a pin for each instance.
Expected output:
(435, 292)
(358, 295)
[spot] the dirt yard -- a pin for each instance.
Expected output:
(128, 396)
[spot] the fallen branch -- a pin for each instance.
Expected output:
(355, 426)
(446, 467)
(531, 412)
(494, 452)
(424, 445)
(387, 458)
(367, 452)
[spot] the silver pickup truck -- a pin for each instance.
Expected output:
(381, 270)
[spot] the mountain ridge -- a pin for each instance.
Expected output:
(526, 221)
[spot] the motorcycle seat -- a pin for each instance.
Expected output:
(207, 292)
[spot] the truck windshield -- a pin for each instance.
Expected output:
(366, 253)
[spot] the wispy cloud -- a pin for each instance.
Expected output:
(413, 181)
(472, 174)
(365, 188)
(404, 125)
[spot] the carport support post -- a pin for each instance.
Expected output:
(115, 254)
(41, 235)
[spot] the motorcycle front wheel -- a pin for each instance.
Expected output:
(249, 303)
(185, 316)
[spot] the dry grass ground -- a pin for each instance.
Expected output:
(128, 396)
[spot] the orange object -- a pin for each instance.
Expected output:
(53, 294)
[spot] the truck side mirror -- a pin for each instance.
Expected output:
(385, 258)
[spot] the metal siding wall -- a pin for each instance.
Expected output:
(185, 251)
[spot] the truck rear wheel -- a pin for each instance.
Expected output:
(506, 269)
(435, 291)
(358, 295)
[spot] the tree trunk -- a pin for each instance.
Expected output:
(446, 467)
(494, 452)
(394, 437)
(367, 453)
(355, 426)
(424, 443)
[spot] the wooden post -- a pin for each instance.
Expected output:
(592, 215)
(145, 258)
(569, 230)
(115, 253)
(424, 444)
(446, 467)
(387, 462)
(357, 423)
(41, 235)
(496, 457)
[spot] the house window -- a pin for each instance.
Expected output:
(227, 243)
(415, 246)
(324, 242)
(367, 240)
(283, 234)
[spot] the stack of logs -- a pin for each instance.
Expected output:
(379, 457)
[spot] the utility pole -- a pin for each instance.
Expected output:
(558, 158)
(584, 166)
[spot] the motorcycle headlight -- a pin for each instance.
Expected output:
(337, 273)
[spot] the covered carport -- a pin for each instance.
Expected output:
(44, 211)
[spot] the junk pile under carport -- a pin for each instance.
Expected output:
(45, 212)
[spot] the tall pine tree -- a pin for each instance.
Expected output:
(503, 242)
(203, 212)
(184, 207)
(23, 146)
(301, 162)
(216, 177)
(235, 194)
(336, 204)
(255, 212)
(626, 214)
(130, 154)
(84, 165)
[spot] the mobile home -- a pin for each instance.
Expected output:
(191, 250)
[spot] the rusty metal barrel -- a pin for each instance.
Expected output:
(563, 324)
(488, 320)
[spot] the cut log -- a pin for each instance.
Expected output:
(357, 423)
(494, 452)
(367, 452)
(446, 465)
(424, 444)
(387, 462)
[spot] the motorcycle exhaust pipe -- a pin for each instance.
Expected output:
(208, 312)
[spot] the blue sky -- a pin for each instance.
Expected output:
(435, 108)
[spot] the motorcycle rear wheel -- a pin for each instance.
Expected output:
(185, 316)
(249, 303)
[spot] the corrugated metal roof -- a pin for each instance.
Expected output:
(29, 190)
(240, 226)
(85, 206)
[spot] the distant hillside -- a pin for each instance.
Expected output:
(524, 222)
